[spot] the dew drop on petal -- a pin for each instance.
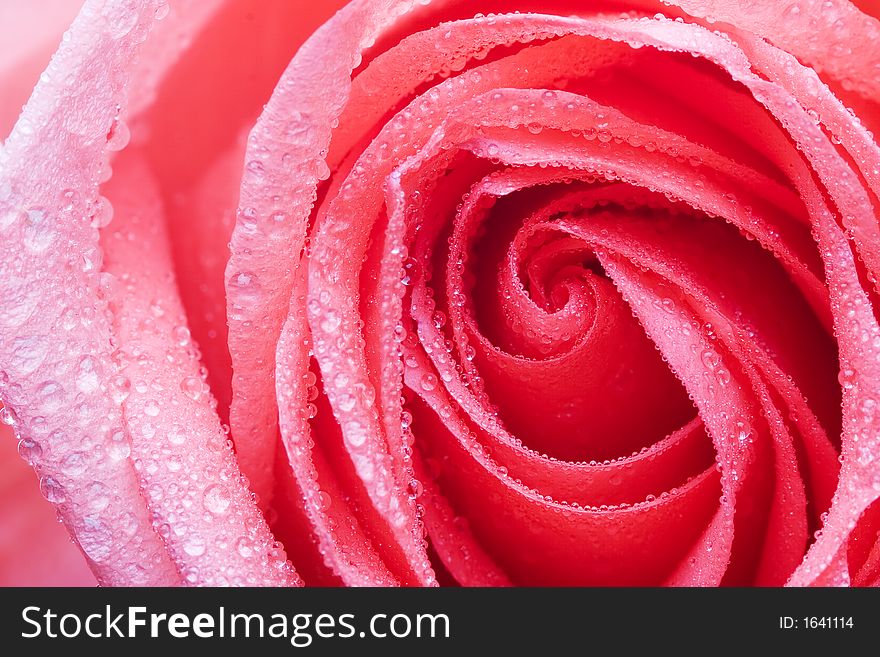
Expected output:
(120, 388)
(216, 499)
(122, 19)
(52, 490)
(87, 376)
(244, 547)
(181, 335)
(38, 231)
(98, 497)
(74, 464)
(246, 286)
(119, 135)
(194, 546)
(192, 387)
(30, 451)
(355, 434)
(7, 416)
(118, 447)
(176, 436)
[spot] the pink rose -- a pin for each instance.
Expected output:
(580, 295)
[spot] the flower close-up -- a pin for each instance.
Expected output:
(440, 292)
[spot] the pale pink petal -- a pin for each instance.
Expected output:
(56, 340)
(819, 32)
(199, 502)
(284, 164)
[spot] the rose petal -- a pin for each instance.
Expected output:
(285, 163)
(59, 358)
(819, 32)
(207, 519)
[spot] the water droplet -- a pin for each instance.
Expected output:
(245, 550)
(410, 271)
(118, 136)
(105, 172)
(151, 408)
(192, 387)
(846, 378)
(118, 448)
(120, 388)
(87, 378)
(52, 490)
(248, 219)
(176, 435)
(710, 359)
(95, 539)
(355, 434)
(216, 499)
(38, 231)
(123, 17)
(7, 416)
(74, 464)
(181, 335)
(322, 171)
(330, 322)
(29, 450)
(346, 402)
(194, 546)
(428, 382)
(866, 456)
(98, 497)
(245, 286)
